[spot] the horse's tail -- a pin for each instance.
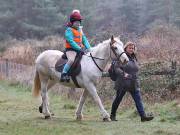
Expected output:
(37, 85)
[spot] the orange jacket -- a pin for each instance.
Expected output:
(77, 38)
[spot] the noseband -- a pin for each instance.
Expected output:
(113, 50)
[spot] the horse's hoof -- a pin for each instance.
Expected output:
(106, 119)
(79, 118)
(40, 109)
(47, 117)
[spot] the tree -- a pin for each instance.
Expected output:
(176, 11)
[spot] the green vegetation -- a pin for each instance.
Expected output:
(24, 19)
(19, 116)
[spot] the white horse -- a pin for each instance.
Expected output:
(46, 75)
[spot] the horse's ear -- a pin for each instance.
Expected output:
(112, 38)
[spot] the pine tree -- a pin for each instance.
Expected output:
(176, 11)
(130, 15)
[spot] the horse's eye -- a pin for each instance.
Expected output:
(115, 48)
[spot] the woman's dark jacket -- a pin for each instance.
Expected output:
(132, 68)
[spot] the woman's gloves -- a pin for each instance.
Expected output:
(127, 76)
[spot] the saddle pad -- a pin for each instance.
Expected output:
(60, 64)
(74, 70)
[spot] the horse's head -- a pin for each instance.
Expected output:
(117, 48)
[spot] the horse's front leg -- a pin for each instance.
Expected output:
(92, 90)
(79, 115)
(45, 102)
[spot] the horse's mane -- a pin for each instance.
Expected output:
(105, 42)
(100, 45)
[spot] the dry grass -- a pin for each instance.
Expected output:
(160, 44)
(26, 51)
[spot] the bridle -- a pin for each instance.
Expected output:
(113, 50)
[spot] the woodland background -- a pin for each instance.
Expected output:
(28, 27)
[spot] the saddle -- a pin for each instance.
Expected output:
(74, 70)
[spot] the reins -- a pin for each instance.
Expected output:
(93, 57)
(96, 63)
(117, 56)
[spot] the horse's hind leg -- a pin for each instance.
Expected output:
(49, 85)
(44, 95)
(84, 95)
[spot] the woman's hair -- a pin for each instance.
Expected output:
(135, 48)
(129, 43)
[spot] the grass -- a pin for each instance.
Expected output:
(19, 116)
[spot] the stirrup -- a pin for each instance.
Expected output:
(65, 77)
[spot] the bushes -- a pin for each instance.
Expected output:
(160, 43)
